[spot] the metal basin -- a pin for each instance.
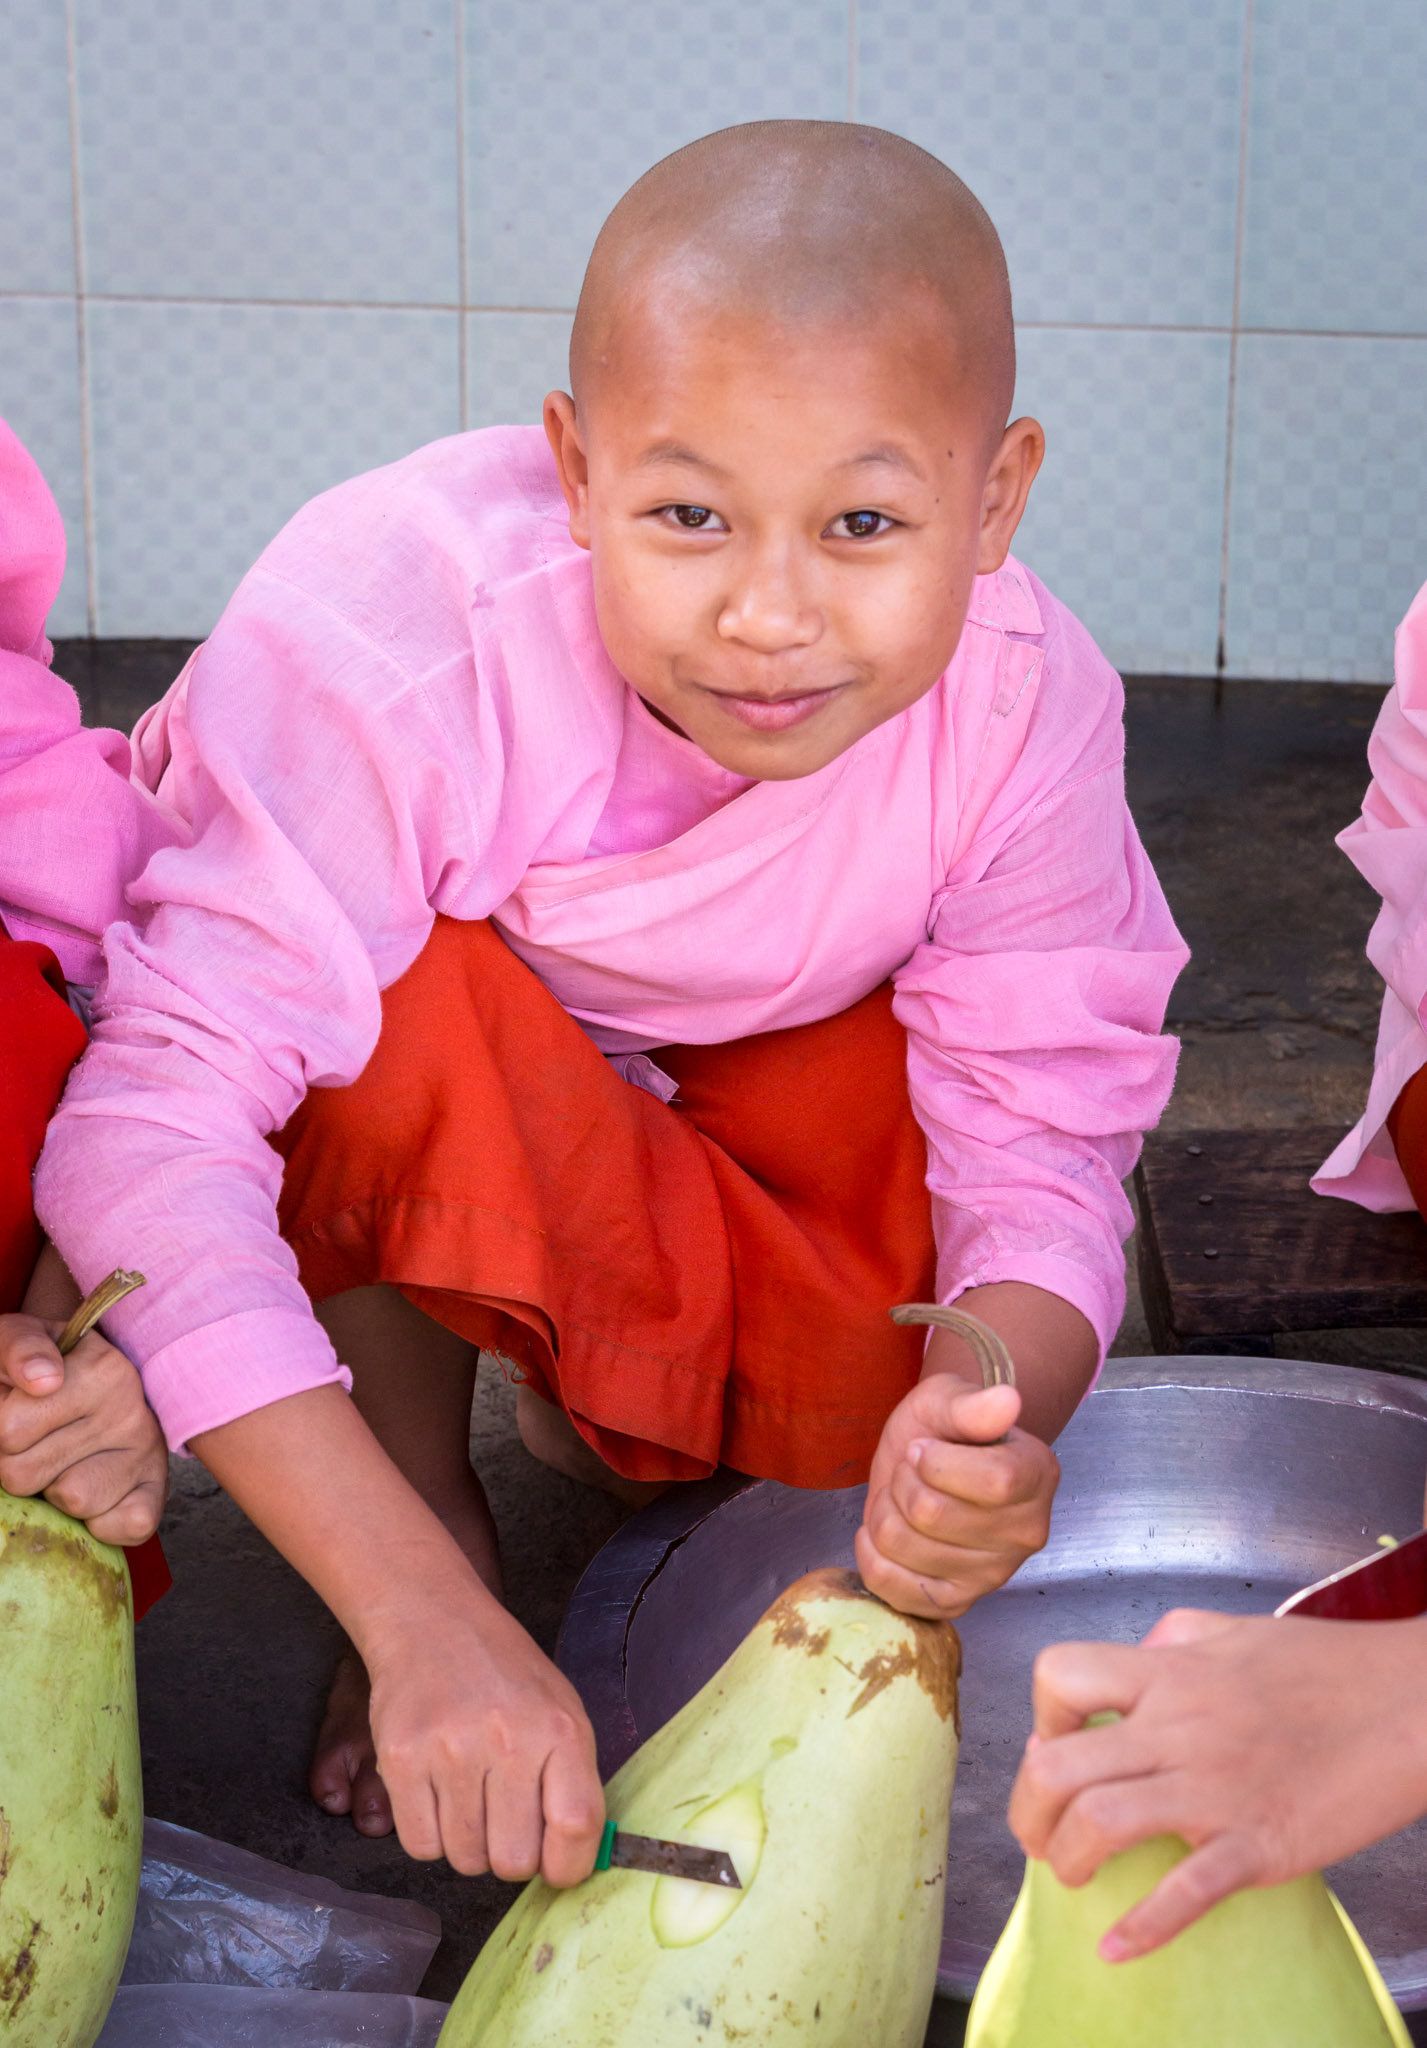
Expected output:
(1205, 1482)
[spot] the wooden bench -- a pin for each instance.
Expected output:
(1235, 1247)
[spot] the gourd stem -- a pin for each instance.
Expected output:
(986, 1347)
(94, 1305)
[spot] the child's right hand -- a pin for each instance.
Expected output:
(484, 1747)
(79, 1431)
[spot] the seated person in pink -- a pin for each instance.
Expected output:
(1272, 1747)
(663, 886)
(72, 829)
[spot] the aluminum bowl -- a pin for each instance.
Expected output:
(1204, 1482)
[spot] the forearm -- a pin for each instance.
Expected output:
(310, 1474)
(51, 1294)
(1052, 1346)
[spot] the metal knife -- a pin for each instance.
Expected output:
(1391, 1585)
(665, 1859)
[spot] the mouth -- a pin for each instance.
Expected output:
(774, 714)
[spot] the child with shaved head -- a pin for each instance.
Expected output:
(660, 895)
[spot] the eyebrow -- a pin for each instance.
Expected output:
(885, 455)
(662, 453)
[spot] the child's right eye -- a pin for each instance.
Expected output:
(691, 515)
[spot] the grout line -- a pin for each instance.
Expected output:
(81, 324)
(852, 80)
(463, 281)
(1232, 409)
(480, 312)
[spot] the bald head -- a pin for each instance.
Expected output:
(798, 223)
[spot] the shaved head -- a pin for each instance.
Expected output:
(799, 224)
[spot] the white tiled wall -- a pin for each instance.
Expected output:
(309, 236)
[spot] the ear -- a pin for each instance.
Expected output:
(1008, 485)
(571, 462)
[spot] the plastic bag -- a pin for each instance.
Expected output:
(213, 1914)
(232, 2016)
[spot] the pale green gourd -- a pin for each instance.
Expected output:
(1278, 1967)
(71, 1803)
(821, 1756)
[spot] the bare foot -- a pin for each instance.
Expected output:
(549, 1435)
(344, 1777)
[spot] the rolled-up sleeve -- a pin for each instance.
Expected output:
(1036, 1056)
(250, 972)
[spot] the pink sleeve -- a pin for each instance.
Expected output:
(1034, 1014)
(1388, 847)
(310, 770)
(73, 826)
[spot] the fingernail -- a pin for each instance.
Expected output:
(37, 1372)
(1115, 1949)
(916, 1451)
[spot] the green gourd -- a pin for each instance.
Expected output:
(821, 1757)
(71, 1803)
(1277, 1967)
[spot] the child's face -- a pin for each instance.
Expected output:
(784, 523)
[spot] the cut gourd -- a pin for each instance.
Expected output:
(683, 1912)
(820, 1757)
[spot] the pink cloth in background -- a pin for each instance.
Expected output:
(406, 709)
(73, 828)
(1388, 847)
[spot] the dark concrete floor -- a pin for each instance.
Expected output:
(1238, 791)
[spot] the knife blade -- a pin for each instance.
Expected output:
(665, 1859)
(1391, 1585)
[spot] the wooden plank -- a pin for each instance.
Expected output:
(1237, 1242)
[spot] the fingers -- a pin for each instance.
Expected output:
(1071, 1681)
(960, 1580)
(574, 1811)
(132, 1519)
(29, 1362)
(949, 1409)
(1188, 1625)
(1057, 1779)
(1222, 1866)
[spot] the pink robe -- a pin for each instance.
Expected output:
(1388, 847)
(73, 827)
(407, 709)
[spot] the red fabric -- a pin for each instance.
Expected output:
(1407, 1128)
(694, 1283)
(40, 1040)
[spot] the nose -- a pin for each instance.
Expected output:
(768, 609)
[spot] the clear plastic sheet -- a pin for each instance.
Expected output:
(237, 2016)
(211, 1914)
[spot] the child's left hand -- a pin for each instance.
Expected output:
(951, 1513)
(79, 1431)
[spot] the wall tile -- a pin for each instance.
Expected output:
(568, 105)
(213, 424)
(1335, 225)
(39, 396)
(1328, 534)
(512, 360)
(1101, 135)
(36, 208)
(272, 152)
(1126, 517)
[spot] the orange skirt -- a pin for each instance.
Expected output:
(694, 1283)
(1407, 1128)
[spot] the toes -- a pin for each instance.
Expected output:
(371, 1806)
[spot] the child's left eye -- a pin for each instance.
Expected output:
(861, 525)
